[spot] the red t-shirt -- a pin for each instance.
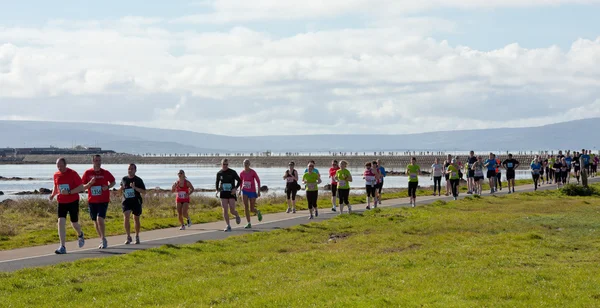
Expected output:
(332, 172)
(68, 179)
(95, 193)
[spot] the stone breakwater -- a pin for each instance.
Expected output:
(390, 162)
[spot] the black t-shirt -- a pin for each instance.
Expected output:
(228, 176)
(575, 161)
(472, 160)
(557, 166)
(510, 164)
(127, 190)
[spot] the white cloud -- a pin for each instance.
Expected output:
(388, 77)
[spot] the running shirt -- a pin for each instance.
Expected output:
(453, 172)
(67, 180)
(535, 168)
(413, 173)
(586, 159)
(227, 180)
(289, 179)
(438, 169)
(491, 164)
(478, 169)
(472, 160)
(343, 175)
(332, 172)
(249, 180)
(311, 180)
(369, 177)
(576, 162)
(498, 164)
(557, 166)
(183, 193)
(596, 160)
(103, 178)
(510, 164)
(569, 161)
(130, 195)
(378, 176)
(383, 173)
(551, 162)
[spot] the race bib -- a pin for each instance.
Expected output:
(453, 174)
(290, 180)
(227, 186)
(311, 186)
(536, 171)
(342, 183)
(478, 173)
(129, 193)
(370, 180)
(247, 184)
(413, 176)
(182, 195)
(96, 190)
(509, 165)
(64, 187)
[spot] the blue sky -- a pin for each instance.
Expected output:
(352, 61)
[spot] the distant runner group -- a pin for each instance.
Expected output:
(98, 182)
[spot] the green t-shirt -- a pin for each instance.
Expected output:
(311, 181)
(453, 171)
(342, 175)
(413, 172)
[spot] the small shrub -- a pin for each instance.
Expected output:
(573, 190)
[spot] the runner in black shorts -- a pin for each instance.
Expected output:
(227, 183)
(132, 187)
(471, 172)
(334, 185)
(576, 166)
(291, 187)
(510, 165)
(67, 186)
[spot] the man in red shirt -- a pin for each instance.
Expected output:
(67, 186)
(334, 168)
(98, 183)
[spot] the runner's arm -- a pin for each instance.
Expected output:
(190, 188)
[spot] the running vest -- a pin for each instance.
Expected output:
(182, 193)
(370, 177)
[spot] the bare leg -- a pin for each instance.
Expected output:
(126, 223)
(62, 232)
(225, 205)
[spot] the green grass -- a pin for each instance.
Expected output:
(524, 250)
(32, 222)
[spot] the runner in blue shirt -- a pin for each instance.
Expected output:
(490, 163)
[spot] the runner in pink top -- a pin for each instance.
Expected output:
(250, 181)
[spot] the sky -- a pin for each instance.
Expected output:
(272, 67)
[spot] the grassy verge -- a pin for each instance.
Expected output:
(524, 250)
(32, 222)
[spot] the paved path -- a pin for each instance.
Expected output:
(11, 260)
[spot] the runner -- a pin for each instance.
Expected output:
(383, 175)
(312, 180)
(498, 174)
(413, 170)
(98, 183)
(446, 174)
(536, 169)
(250, 183)
(437, 170)
(227, 183)
(370, 183)
(490, 164)
(132, 187)
(291, 187)
(334, 185)
(344, 177)
(452, 170)
(471, 172)
(563, 171)
(550, 170)
(577, 166)
(557, 166)
(510, 165)
(67, 186)
(184, 190)
(583, 160)
(586, 161)
(569, 162)
(379, 178)
(545, 169)
(478, 176)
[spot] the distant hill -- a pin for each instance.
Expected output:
(138, 140)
